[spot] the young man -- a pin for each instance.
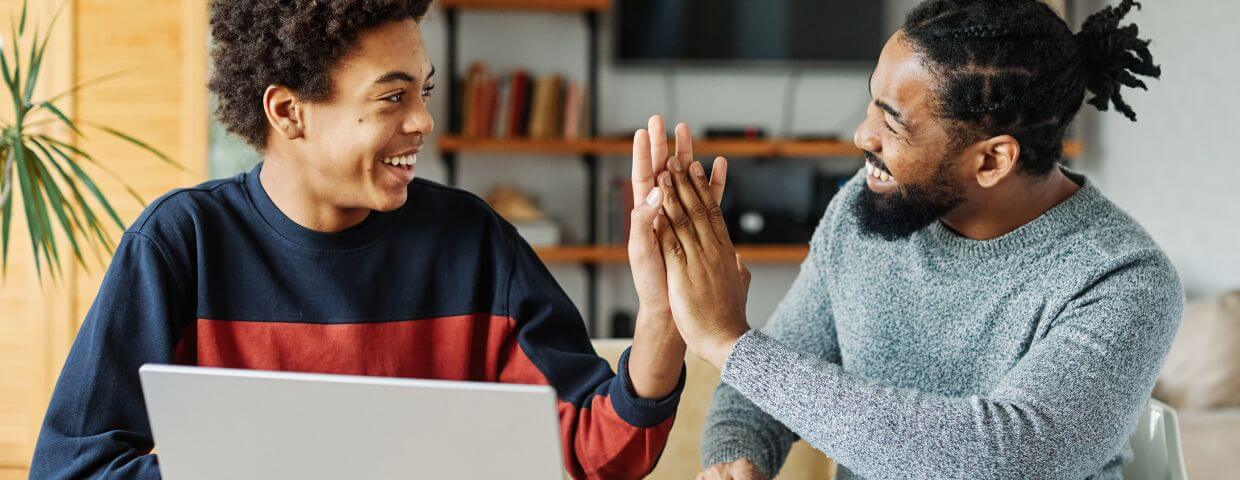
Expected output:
(969, 308)
(330, 257)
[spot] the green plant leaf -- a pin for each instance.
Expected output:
(15, 88)
(138, 143)
(90, 185)
(6, 210)
(10, 84)
(88, 83)
(22, 30)
(35, 64)
(42, 208)
(68, 222)
(92, 221)
(89, 158)
(32, 219)
(63, 118)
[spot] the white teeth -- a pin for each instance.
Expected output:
(407, 160)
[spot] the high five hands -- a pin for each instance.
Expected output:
(679, 249)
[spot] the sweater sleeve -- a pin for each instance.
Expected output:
(607, 431)
(96, 424)
(1062, 411)
(735, 427)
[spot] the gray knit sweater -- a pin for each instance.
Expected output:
(1026, 356)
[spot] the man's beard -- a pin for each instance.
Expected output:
(901, 213)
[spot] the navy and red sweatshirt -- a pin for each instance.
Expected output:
(442, 288)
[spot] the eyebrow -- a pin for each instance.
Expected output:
(895, 114)
(394, 76)
(884, 105)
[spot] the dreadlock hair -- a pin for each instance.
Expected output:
(291, 43)
(1014, 67)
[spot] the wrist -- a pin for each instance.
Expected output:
(656, 319)
(717, 351)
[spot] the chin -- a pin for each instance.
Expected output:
(389, 202)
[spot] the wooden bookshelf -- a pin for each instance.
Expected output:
(751, 254)
(535, 5)
(704, 148)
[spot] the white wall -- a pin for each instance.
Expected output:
(1177, 169)
(1172, 170)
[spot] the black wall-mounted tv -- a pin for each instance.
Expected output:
(826, 32)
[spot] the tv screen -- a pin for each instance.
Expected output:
(793, 31)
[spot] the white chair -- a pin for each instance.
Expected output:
(1156, 453)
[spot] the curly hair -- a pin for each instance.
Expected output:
(294, 44)
(1014, 67)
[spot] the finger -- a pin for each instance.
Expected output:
(658, 144)
(711, 215)
(678, 197)
(643, 174)
(643, 244)
(746, 276)
(689, 185)
(684, 145)
(718, 178)
(673, 252)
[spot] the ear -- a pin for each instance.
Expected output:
(997, 160)
(284, 112)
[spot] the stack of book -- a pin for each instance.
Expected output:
(520, 105)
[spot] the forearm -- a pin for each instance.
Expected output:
(737, 429)
(880, 431)
(657, 356)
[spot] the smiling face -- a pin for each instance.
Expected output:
(358, 147)
(910, 157)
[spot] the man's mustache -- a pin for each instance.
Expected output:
(872, 158)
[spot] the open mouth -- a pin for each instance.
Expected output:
(401, 160)
(877, 173)
(401, 166)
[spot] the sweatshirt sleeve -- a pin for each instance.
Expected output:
(1062, 411)
(607, 431)
(96, 424)
(735, 427)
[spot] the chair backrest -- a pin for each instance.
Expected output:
(1156, 453)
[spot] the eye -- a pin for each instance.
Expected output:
(427, 90)
(888, 125)
(395, 97)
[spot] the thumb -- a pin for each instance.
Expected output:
(642, 240)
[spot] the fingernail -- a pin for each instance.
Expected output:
(696, 168)
(674, 164)
(665, 179)
(653, 198)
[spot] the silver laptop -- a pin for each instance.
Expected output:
(214, 423)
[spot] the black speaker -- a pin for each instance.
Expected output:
(775, 201)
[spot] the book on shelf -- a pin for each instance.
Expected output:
(519, 104)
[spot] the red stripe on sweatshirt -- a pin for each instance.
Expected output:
(463, 347)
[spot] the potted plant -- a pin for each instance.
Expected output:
(60, 199)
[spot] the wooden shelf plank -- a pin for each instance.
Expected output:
(703, 148)
(618, 254)
(542, 5)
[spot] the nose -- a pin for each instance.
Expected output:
(866, 136)
(419, 120)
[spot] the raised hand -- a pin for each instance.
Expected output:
(707, 284)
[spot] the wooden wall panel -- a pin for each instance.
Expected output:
(161, 45)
